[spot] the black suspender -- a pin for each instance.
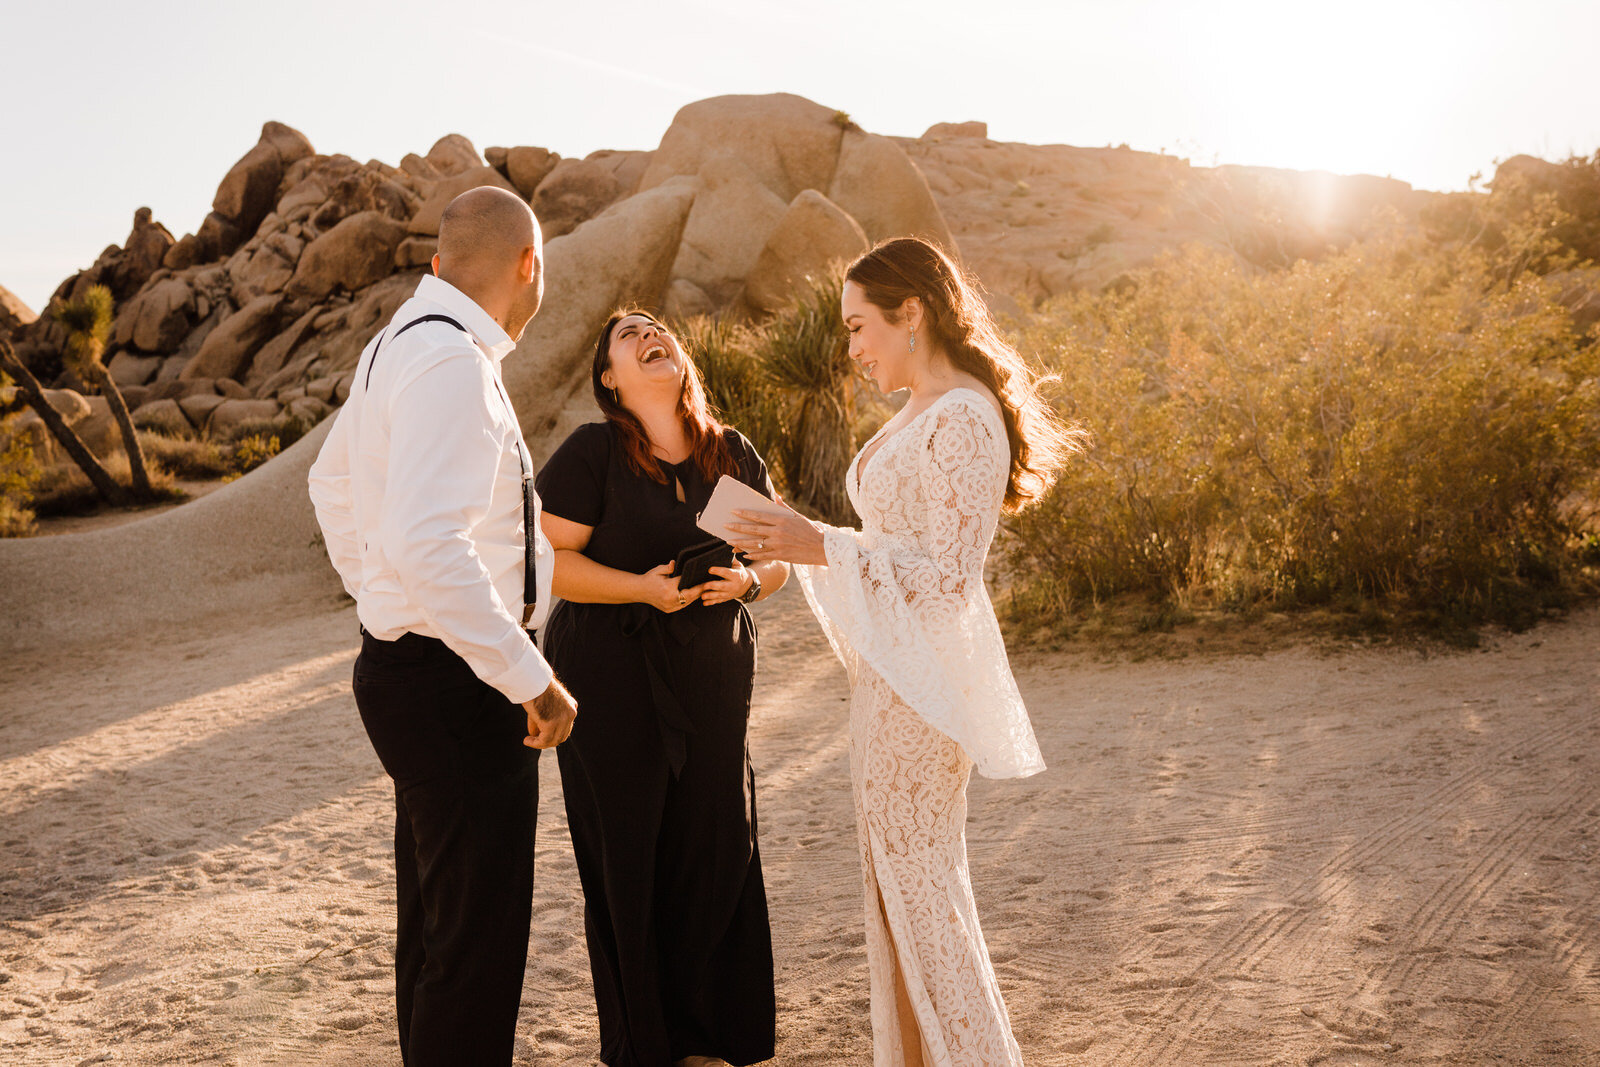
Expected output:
(403, 329)
(530, 574)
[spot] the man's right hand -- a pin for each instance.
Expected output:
(550, 716)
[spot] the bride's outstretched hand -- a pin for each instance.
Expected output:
(789, 537)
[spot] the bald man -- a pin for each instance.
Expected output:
(423, 490)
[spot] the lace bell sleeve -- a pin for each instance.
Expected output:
(914, 608)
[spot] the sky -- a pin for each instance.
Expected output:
(109, 106)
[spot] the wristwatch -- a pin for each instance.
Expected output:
(754, 590)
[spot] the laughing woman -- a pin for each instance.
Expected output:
(903, 603)
(658, 786)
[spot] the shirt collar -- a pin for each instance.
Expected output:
(466, 311)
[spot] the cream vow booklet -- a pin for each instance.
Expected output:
(729, 496)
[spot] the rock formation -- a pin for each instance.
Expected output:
(262, 313)
(304, 256)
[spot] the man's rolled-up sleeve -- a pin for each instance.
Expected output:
(444, 453)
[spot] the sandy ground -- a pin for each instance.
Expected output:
(1370, 857)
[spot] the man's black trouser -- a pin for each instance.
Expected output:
(466, 797)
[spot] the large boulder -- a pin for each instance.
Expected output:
(527, 166)
(879, 186)
(813, 233)
(14, 314)
(426, 220)
(158, 318)
(162, 416)
(197, 407)
(230, 347)
(303, 198)
(352, 255)
(129, 368)
(621, 256)
(786, 142)
(267, 269)
(218, 237)
(732, 218)
(453, 154)
(250, 187)
(276, 352)
(573, 192)
(184, 254)
(228, 416)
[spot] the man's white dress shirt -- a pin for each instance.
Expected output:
(418, 490)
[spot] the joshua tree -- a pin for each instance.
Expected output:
(33, 392)
(803, 358)
(87, 321)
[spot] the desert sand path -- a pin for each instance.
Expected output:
(1371, 857)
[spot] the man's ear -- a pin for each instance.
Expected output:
(528, 265)
(435, 264)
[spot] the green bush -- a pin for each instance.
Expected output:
(1388, 427)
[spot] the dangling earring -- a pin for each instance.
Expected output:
(615, 399)
(912, 341)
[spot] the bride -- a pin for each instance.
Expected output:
(903, 603)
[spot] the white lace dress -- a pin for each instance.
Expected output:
(903, 603)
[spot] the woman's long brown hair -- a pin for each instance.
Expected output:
(708, 444)
(958, 323)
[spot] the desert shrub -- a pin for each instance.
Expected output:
(287, 430)
(1538, 216)
(197, 458)
(19, 471)
(65, 490)
(1388, 427)
(252, 450)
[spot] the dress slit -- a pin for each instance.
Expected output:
(920, 913)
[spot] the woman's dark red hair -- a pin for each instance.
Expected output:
(708, 444)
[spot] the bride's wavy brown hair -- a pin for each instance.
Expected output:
(957, 321)
(707, 443)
